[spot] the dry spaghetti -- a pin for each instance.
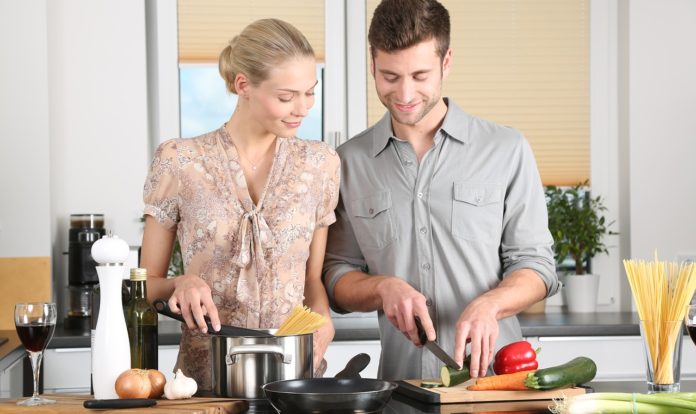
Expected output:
(662, 291)
(301, 320)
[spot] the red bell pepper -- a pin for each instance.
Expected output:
(515, 357)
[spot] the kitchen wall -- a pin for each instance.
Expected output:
(662, 127)
(75, 122)
(73, 111)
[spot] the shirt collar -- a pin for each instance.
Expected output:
(455, 125)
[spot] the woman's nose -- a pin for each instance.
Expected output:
(303, 106)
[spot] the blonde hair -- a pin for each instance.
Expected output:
(261, 46)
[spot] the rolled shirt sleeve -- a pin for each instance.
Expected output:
(526, 241)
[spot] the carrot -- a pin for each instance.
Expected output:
(506, 382)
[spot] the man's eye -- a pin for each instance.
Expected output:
(390, 79)
(420, 77)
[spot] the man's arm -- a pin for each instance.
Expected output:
(529, 272)
(351, 288)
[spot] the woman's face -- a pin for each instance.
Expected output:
(281, 102)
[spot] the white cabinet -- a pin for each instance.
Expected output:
(67, 370)
(339, 352)
(11, 376)
(618, 358)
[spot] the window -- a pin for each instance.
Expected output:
(523, 64)
(205, 27)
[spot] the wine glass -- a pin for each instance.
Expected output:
(35, 323)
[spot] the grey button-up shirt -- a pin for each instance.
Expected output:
(452, 226)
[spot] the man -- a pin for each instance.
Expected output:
(442, 215)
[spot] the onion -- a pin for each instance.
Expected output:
(157, 381)
(133, 383)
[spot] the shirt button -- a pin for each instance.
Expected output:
(372, 210)
(423, 230)
(420, 195)
(426, 266)
(428, 302)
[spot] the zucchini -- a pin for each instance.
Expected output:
(451, 377)
(575, 372)
(431, 384)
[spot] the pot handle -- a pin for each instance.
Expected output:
(233, 351)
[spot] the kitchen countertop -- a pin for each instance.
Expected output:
(350, 328)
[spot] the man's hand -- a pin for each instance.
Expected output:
(477, 324)
(193, 299)
(401, 304)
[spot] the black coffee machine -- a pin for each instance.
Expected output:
(85, 229)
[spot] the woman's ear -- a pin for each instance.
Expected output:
(241, 85)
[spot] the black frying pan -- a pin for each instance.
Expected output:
(346, 393)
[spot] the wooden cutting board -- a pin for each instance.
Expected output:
(459, 393)
(73, 404)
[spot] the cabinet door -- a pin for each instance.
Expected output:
(11, 378)
(339, 352)
(618, 358)
(67, 370)
(166, 360)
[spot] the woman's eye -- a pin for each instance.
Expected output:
(285, 98)
(310, 93)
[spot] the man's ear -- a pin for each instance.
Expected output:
(241, 85)
(446, 63)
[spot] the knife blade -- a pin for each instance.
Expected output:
(434, 347)
(163, 307)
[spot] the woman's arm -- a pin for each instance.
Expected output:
(315, 293)
(187, 294)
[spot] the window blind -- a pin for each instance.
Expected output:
(522, 63)
(206, 26)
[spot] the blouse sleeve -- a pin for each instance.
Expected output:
(332, 176)
(161, 190)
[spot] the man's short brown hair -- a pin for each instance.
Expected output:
(400, 24)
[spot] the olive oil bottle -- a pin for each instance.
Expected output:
(141, 320)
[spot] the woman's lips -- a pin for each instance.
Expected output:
(293, 124)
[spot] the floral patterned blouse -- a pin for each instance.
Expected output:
(253, 257)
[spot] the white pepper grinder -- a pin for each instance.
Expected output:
(110, 345)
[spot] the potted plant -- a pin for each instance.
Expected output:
(578, 226)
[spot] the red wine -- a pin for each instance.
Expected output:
(35, 337)
(692, 332)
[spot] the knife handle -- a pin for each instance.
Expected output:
(119, 403)
(422, 336)
(163, 307)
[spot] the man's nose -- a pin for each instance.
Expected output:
(405, 91)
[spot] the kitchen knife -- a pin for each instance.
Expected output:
(119, 403)
(225, 330)
(434, 347)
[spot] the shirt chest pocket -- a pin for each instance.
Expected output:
(372, 220)
(477, 212)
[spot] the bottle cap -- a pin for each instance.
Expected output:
(138, 273)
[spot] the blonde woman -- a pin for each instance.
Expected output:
(249, 202)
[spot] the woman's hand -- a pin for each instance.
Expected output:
(322, 338)
(193, 299)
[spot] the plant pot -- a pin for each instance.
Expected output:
(581, 293)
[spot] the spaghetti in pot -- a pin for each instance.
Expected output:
(301, 320)
(662, 291)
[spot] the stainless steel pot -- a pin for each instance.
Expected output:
(242, 365)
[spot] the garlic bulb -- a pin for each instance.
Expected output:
(180, 387)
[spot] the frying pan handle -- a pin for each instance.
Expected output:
(233, 351)
(354, 366)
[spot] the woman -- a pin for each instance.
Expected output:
(249, 202)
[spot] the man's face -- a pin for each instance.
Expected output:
(409, 81)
